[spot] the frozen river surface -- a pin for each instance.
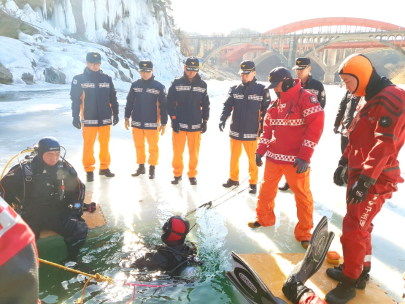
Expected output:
(136, 208)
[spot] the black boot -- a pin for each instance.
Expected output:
(151, 172)
(141, 170)
(176, 180)
(285, 187)
(193, 181)
(106, 172)
(73, 249)
(336, 274)
(344, 291)
(230, 183)
(253, 188)
(89, 176)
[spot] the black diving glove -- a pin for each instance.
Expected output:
(77, 123)
(203, 127)
(340, 177)
(295, 290)
(175, 125)
(116, 119)
(358, 192)
(259, 162)
(302, 165)
(222, 126)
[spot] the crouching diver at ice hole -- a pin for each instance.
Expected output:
(46, 191)
(176, 252)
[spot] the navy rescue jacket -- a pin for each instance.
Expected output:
(188, 102)
(94, 94)
(249, 103)
(317, 88)
(146, 101)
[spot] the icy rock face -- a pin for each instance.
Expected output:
(123, 31)
(5, 76)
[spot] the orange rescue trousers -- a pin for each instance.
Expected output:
(179, 143)
(152, 136)
(236, 151)
(299, 184)
(89, 138)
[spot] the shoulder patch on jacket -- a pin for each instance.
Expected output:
(313, 99)
(385, 121)
(74, 81)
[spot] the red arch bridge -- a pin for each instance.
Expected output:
(327, 41)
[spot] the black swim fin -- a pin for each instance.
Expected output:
(248, 282)
(313, 260)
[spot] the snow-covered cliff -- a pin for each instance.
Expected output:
(47, 40)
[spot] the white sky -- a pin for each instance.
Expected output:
(209, 16)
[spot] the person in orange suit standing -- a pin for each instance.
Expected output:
(292, 128)
(94, 103)
(146, 102)
(248, 103)
(188, 106)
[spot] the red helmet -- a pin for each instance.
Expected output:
(175, 231)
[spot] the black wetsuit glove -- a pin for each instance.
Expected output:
(77, 123)
(175, 125)
(203, 127)
(295, 290)
(338, 179)
(358, 192)
(222, 126)
(259, 162)
(115, 120)
(302, 165)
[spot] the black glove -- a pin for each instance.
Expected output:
(358, 192)
(295, 290)
(203, 127)
(302, 165)
(115, 120)
(259, 162)
(175, 125)
(340, 177)
(222, 126)
(77, 123)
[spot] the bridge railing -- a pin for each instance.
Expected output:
(298, 34)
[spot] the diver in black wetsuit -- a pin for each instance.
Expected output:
(176, 251)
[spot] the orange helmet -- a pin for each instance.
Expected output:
(360, 67)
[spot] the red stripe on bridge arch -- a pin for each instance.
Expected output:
(334, 21)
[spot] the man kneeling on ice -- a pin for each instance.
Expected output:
(45, 189)
(176, 251)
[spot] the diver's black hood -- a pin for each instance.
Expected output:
(376, 84)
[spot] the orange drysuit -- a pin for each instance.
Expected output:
(193, 143)
(292, 128)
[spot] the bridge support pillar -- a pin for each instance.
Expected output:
(201, 49)
(331, 58)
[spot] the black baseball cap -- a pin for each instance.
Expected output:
(192, 64)
(278, 75)
(246, 67)
(302, 63)
(93, 57)
(145, 65)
